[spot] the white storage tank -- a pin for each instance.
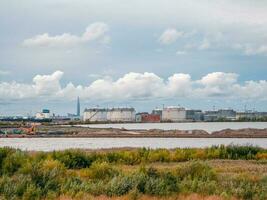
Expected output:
(95, 115)
(45, 114)
(121, 115)
(173, 114)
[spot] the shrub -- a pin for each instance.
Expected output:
(13, 162)
(101, 171)
(196, 170)
(181, 155)
(261, 156)
(4, 152)
(96, 187)
(71, 186)
(130, 158)
(47, 175)
(242, 152)
(160, 186)
(73, 159)
(7, 188)
(32, 193)
(160, 155)
(119, 186)
(150, 181)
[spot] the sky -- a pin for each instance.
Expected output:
(144, 54)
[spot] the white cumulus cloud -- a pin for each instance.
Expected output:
(95, 31)
(136, 86)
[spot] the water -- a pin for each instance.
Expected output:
(207, 126)
(50, 144)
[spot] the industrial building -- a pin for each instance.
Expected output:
(109, 115)
(168, 114)
(173, 114)
(146, 117)
(194, 115)
(45, 114)
(251, 115)
(222, 114)
(95, 114)
(121, 115)
(157, 111)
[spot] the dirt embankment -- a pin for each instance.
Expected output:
(73, 131)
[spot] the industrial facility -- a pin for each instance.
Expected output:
(95, 115)
(45, 114)
(145, 117)
(167, 114)
(126, 114)
(173, 114)
(109, 115)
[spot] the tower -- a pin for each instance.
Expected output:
(78, 107)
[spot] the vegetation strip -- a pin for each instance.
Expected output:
(134, 174)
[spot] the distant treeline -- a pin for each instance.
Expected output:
(79, 174)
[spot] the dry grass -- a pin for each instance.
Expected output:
(228, 168)
(146, 197)
(220, 166)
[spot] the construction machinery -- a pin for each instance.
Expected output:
(29, 129)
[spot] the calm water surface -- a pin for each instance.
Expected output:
(50, 144)
(207, 126)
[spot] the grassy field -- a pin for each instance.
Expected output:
(219, 172)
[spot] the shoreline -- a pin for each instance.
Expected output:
(86, 132)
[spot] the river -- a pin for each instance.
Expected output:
(50, 144)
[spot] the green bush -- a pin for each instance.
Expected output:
(13, 162)
(198, 170)
(72, 185)
(4, 153)
(96, 187)
(242, 152)
(73, 159)
(47, 175)
(119, 186)
(101, 171)
(160, 155)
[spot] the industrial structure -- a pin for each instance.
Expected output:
(222, 114)
(45, 114)
(76, 116)
(157, 111)
(78, 113)
(95, 114)
(173, 114)
(121, 115)
(126, 114)
(109, 115)
(145, 117)
(251, 115)
(194, 115)
(167, 114)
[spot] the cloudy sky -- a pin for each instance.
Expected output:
(197, 54)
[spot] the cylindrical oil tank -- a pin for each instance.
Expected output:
(121, 115)
(173, 114)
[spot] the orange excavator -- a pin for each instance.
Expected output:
(29, 130)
